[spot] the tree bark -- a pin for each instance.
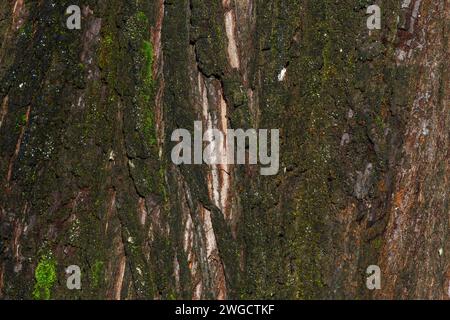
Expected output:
(86, 118)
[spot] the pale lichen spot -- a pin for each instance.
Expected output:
(230, 27)
(282, 74)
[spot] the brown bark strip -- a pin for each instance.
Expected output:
(190, 240)
(142, 211)
(18, 229)
(19, 15)
(214, 260)
(4, 110)
(230, 28)
(119, 280)
(215, 117)
(158, 67)
(17, 11)
(111, 207)
(117, 268)
(156, 32)
(416, 232)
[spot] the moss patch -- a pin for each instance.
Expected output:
(148, 53)
(97, 273)
(45, 276)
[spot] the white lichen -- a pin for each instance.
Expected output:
(282, 74)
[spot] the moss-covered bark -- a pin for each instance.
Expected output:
(86, 118)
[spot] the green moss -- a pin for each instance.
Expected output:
(148, 54)
(26, 31)
(379, 121)
(162, 186)
(108, 41)
(45, 275)
(171, 296)
(141, 17)
(377, 243)
(21, 121)
(147, 94)
(108, 54)
(149, 126)
(97, 272)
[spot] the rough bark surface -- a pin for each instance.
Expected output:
(86, 118)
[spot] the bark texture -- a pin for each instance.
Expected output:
(86, 118)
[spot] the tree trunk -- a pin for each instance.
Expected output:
(86, 118)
